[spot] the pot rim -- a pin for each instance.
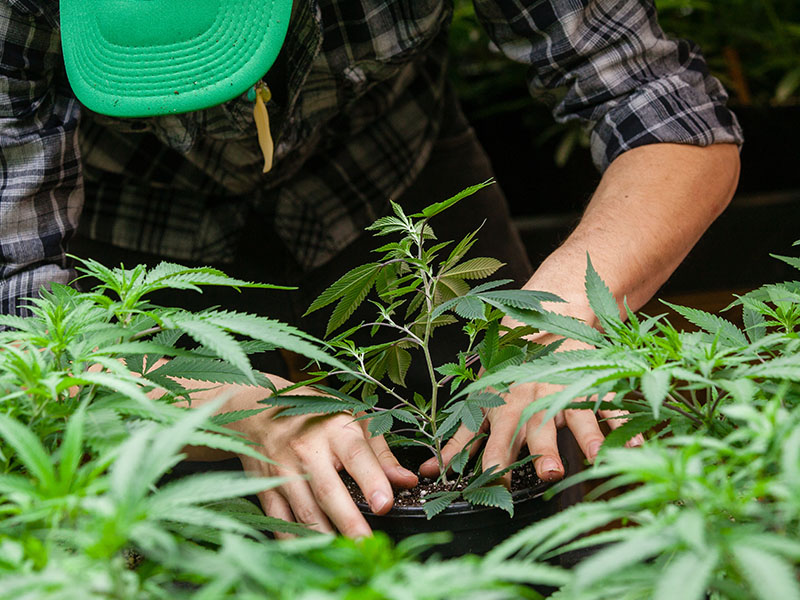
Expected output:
(458, 508)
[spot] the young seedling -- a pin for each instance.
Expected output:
(419, 287)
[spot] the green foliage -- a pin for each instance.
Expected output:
(89, 427)
(710, 505)
(432, 289)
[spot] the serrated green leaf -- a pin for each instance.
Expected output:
(29, 450)
(216, 339)
(351, 299)
(754, 324)
(272, 332)
(768, 575)
(486, 399)
(789, 260)
(688, 572)
(559, 325)
(387, 225)
(493, 495)
(655, 386)
(380, 423)
(71, 450)
(469, 307)
(248, 513)
(460, 460)
(340, 287)
(448, 288)
(522, 299)
(435, 209)
(459, 251)
(397, 363)
(627, 431)
(210, 487)
(405, 416)
(713, 324)
(227, 418)
(309, 405)
(437, 502)
(228, 443)
(635, 550)
(600, 297)
(466, 413)
(127, 386)
(475, 268)
(487, 350)
(506, 357)
(210, 370)
(742, 390)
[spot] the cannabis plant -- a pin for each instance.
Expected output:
(420, 286)
(672, 379)
(710, 503)
(90, 420)
(90, 423)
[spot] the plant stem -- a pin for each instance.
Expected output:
(429, 287)
(146, 332)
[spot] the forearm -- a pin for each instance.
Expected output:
(652, 205)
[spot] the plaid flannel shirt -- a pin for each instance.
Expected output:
(355, 124)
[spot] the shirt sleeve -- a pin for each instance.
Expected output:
(623, 77)
(41, 191)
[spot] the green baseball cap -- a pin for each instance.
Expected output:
(140, 58)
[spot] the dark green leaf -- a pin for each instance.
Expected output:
(655, 386)
(380, 423)
(600, 297)
(475, 268)
(397, 363)
(435, 209)
(437, 502)
(494, 495)
(727, 331)
(340, 287)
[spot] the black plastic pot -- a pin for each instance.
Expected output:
(474, 529)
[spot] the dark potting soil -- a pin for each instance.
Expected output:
(521, 478)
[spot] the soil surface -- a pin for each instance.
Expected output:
(521, 478)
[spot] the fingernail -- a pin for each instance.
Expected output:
(549, 467)
(378, 501)
(593, 449)
(403, 472)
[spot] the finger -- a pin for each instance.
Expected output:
(615, 419)
(543, 442)
(305, 506)
(584, 427)
(360, 461)
(500, 450)
(462, 437)
(274, 505)
(333, 497)
(398, 475)
(635, 441)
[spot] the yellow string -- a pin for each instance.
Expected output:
(261, 117)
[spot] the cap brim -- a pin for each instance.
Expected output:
(138, 79)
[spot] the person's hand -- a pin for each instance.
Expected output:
(541, 438)
(318, 447)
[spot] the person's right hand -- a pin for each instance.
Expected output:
(319, 447)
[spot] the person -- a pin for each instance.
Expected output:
(181, 109)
